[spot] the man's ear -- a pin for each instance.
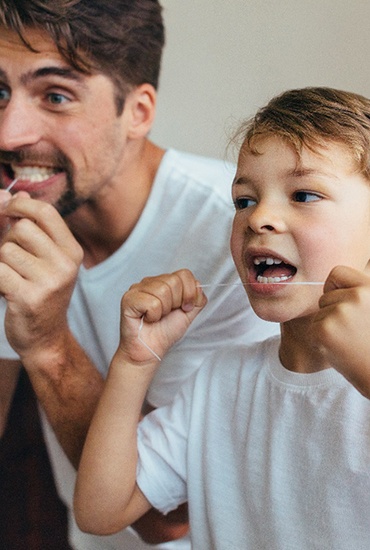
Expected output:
(141, 104)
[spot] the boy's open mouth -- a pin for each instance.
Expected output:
(272, 270)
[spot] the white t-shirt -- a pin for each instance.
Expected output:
(268, 459)
(186, 223)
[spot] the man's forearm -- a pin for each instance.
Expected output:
(68, 387)
(9, 373)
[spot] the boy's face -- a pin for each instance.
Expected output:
(294, 222)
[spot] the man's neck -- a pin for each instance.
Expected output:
(104, 223)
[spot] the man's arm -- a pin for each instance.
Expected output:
(161, 308)
(9, 373)
(39, 262)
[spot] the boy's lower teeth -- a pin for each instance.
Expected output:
(265, 280)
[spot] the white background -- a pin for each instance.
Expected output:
(225, 58)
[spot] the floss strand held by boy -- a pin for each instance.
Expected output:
(268, 444)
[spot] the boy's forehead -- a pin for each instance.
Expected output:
(276, 155)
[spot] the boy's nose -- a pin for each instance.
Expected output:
(267, 218)
(19, 125)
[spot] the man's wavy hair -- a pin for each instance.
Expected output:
(123, 39)
(311, 117)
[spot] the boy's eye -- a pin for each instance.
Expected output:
(305, 196)
(243, 202)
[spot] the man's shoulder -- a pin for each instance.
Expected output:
(204, 171)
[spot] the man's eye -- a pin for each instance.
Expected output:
(4, 94)
(243, 202)
(305, 196)
(57, 99)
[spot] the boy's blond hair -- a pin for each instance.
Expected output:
(312, 117)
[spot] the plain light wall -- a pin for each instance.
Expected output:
(225, 58)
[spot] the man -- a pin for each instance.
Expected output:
(97, 206)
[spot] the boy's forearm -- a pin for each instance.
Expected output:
(106, 496)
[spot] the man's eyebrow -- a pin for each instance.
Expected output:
(63, 72)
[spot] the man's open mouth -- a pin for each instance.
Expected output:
(272, 270)
(31, 174)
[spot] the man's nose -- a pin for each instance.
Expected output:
(19, 124)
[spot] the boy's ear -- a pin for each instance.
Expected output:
(141, 103)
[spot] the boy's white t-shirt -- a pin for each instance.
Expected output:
(268, 459)
(186, 223)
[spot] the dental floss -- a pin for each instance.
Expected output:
(142, 341)
(11, 184)
(219, 284)
(279, 283)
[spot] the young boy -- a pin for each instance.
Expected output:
(269, 444)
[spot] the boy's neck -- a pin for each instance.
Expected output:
(298, 350)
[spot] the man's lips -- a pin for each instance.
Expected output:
(28, 177)
(33, 174)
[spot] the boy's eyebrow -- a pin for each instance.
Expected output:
(241, 180)
(301, 172)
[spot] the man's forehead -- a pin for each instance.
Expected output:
(39, 40)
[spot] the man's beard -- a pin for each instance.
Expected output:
(68, 202)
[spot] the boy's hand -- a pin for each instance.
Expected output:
(159, 310)
(342, 325)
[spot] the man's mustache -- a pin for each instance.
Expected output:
(11, 157)
(22, 156)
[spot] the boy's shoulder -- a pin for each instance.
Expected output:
(238, 365)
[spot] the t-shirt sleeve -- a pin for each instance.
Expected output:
(162, 446)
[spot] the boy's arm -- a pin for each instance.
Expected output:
(342, 325)
(107, 498)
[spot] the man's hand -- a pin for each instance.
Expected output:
(342, 325)
(39, 262)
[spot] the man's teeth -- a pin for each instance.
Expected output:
(34, 174)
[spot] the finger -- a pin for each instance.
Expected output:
(42, 214)
(29, 235)
(157, 296)
(345, 277)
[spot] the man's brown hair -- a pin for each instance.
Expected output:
(122, 39)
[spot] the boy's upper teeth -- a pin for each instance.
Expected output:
(32, 173)
(266, 260)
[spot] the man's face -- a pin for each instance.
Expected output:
(60, 135)
(294, 222)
